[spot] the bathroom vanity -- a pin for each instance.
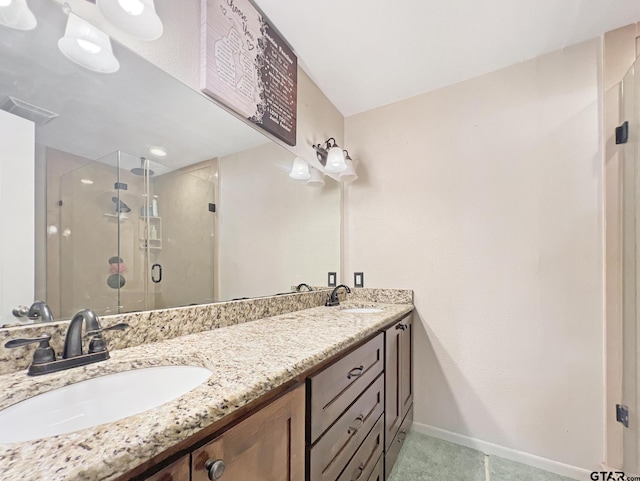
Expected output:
(313, 394)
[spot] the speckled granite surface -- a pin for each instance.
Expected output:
(387, 296)
(247, 360)
(154, 326)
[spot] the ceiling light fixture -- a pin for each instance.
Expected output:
(158, 151)
(137, 18)
(300, 170)
(331, 156)
(87, 46)
(16, 14)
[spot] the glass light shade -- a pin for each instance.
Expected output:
(335, 160)
(88, 46)
(300, 170)
(349, 174)
(316, 179)
(137, 18)
(16, 14)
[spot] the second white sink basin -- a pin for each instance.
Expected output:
(363, 310)
(97, 401)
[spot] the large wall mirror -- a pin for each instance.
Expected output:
(99, 218)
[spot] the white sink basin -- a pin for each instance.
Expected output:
(97, 401)
(363, 310)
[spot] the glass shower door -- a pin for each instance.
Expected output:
(88, 231)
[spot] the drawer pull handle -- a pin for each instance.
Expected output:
(360, 421)
(214, 469)
(358, 472)
(402, 435)
(355, 372)
(401, 326)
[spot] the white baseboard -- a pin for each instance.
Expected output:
(507, 453)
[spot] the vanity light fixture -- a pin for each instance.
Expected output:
(137, 18)
(88, 46)
(16, 14)
(316, 179)
(300, 170)
(331, 156)
(349, 174)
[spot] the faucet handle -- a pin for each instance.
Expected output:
(20, 311)
(44, 352)
(121, 326)
(97, 343)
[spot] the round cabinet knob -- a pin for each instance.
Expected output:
(215, 469)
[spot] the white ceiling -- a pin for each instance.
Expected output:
(367, 53)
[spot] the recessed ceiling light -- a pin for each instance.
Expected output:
(86, 181)
(158, 151)
(5, 3)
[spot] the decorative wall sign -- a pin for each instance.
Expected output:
(247, 66)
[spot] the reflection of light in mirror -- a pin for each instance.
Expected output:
(158, 151)
(16, 14)
(132, 7)
(66, 233)
(86, 181)
(134, 17)
(88, 46)
(300, 170)
(52, 230)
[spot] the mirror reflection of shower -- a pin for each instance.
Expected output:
(120, 221)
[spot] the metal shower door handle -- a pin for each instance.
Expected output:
(153, 273)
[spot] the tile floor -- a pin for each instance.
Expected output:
(424, 458)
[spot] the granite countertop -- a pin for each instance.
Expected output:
(247, 361)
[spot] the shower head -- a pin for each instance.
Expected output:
(143, 169)
(120, 206)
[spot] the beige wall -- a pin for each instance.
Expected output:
(486, 198)
(275, 232)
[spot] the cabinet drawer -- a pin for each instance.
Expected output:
(178, 471)
(378, 471)
(267, 446)
(364, 461)
(392, 452)
(332, 452)
(335, 388)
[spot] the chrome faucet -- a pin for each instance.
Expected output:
(38, 312)
(44, 359)
(332, 299)
(300, 286)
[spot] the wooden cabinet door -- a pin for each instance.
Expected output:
(178, 471)
(268, 446)
(406, 366)
(398, 376)
(392, 406)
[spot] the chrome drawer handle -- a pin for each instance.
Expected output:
(360, 421)
(358, 472)
(355, 372)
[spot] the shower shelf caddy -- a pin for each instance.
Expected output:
(145, 240)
